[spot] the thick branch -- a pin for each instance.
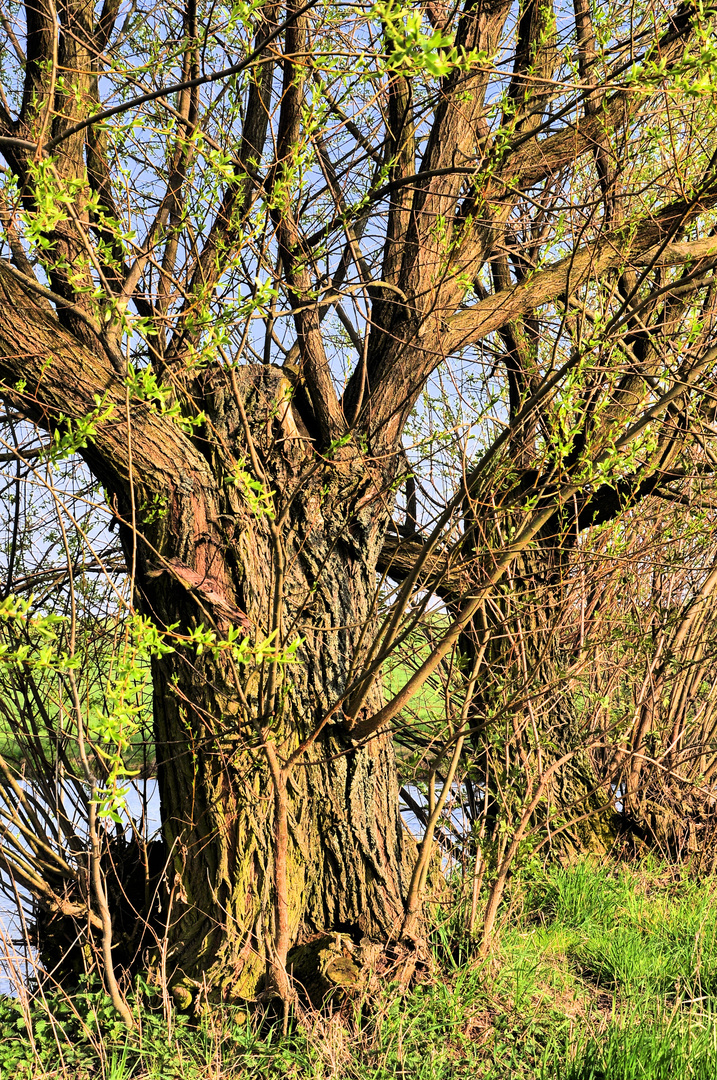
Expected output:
(49, 375)
(400, 372)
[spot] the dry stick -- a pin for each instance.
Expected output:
(279, 775)
(163, 944)
(692, 612)
(479, 865)
(38, 835)
(688, 687)
(281, 854)
(280, 778)
(19, 985)
(95, 866)
(277, 609)
(25, 934)
(420, 870)
(130, 463)
(496, 892)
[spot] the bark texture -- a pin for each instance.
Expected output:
(530, 722)
(348, 861)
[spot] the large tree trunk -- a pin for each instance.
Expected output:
(347, 862)
(215, 556)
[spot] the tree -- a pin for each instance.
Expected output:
(240, 242)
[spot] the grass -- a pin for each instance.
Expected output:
(600, 973)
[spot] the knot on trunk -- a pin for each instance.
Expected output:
(330, 968)
(332, 965)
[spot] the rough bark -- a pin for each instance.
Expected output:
(263, 855)
(348, 860)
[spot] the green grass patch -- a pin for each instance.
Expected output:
(600, 973)
(668, 1047)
